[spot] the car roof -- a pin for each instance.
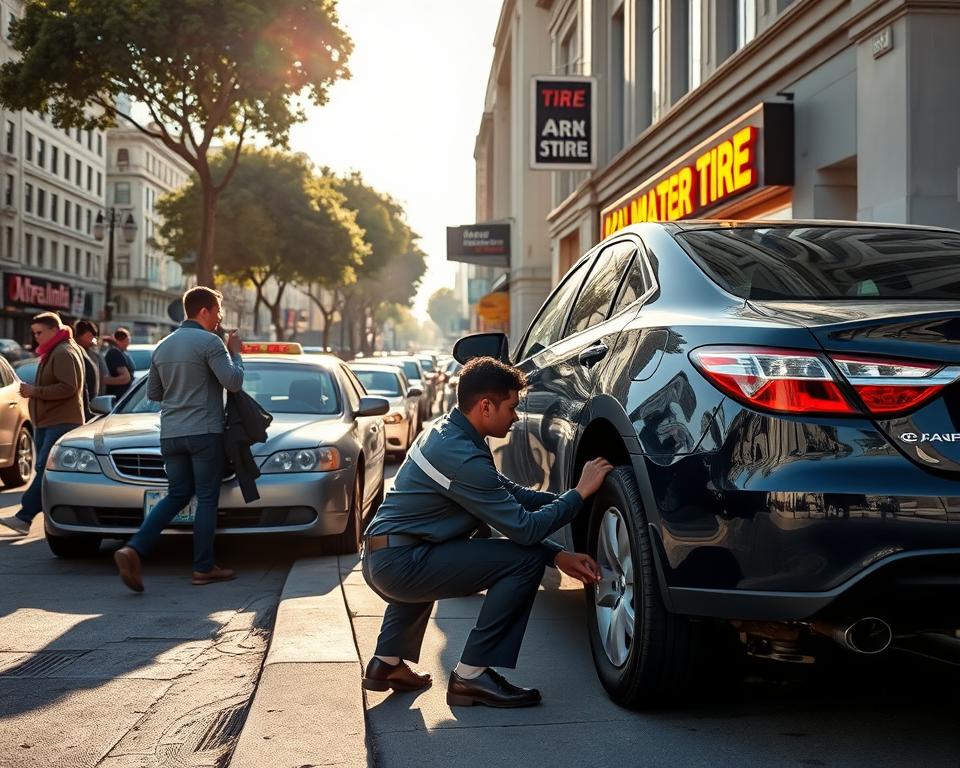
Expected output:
(688, 225)
(321, 361)
(372, 366)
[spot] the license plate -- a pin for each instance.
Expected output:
(184, 516)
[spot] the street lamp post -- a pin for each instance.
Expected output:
(129, 235)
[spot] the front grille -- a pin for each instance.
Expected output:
(139, 465)
(241, 517)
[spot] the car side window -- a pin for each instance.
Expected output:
(597, 293)
(549, 323)
(351, 390)
(6, 373)
(636, 284)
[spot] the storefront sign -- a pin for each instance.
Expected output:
(495, 307)
(754, 151)
(35, 293)
(486, 244)
(563, 120)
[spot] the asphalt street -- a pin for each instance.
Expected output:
(94, 675)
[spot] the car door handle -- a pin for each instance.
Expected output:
(592, 355)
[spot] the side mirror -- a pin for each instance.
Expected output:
(493, 345)
(373, 406)
(103, 404)
(414, 392)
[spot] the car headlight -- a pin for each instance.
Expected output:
(65, 458)
(303, 460)
(394, 417)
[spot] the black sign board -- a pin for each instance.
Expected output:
(486, 244)
(564, 123)
(26, 291)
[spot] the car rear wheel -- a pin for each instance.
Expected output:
(348, 542)
(73, 546)
(25, 453)
(645, 656)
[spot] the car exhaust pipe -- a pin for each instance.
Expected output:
(868, 635)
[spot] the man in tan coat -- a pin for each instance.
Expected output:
(56, 404)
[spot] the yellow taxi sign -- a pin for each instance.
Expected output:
(271, 348)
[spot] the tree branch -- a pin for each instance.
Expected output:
(234, 161)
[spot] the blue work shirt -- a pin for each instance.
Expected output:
(448, 485)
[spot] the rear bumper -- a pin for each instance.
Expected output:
(303, 503)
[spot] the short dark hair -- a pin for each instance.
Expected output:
(121, 333)
(485, 377)
(200, 297)
(48, 320)
(84, 326)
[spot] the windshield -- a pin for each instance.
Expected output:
(379, 382)
(829, 262)
(278, 387)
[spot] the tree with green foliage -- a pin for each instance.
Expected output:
(444, 309)
(279, 225)
(206, 72)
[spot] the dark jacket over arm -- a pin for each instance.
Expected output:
(246, 424)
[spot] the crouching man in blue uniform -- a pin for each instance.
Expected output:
(419, 549)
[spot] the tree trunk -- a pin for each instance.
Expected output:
(275, 312)
(207, 227)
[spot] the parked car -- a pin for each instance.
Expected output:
(451, 379)
(141, 354)
(26, 370)
(12, 352)
(781, 403)
(17, 450)
(415, 375)
(322, 463)
(402, 422)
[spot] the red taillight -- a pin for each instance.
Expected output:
(889, 386)
(785, 381)
(797, 381)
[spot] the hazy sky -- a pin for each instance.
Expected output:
(408, 117)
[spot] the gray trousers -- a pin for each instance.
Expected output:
(411, 578)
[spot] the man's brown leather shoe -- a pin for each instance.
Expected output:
(490, 689)
(216, 574)
(128, 563)
(381, 676)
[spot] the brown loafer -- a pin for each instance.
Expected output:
(216, 574)
(128, 563)
(490, 689)
(381, 676)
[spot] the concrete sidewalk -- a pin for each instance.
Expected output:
(308, 709)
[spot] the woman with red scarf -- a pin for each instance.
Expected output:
(56, 404)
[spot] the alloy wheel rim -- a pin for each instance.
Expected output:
(24, 455)
(614, 593)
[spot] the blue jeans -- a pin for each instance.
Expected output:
(31, 504)
(194, 465)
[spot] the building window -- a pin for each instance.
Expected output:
(29, 146)
(54, 159)
(8, 192)
(8, 242)
(121, 193)
(89, 178)
(54, 207)
(41, 252)
(28, 248)
(11, 137)
(695, 44)
(89, 221)
(76, 261)
(99, 184)
(66, 213)
(76, 216)
(123, 156)
(79, 175)
(54, 255)
(89, 272)
(28, 198)
(77, 135)
(90, 140)
(41, 202)
(746, 21)
(100, 145)
(66, 165)
(41, 153)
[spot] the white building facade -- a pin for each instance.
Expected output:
(53, 187)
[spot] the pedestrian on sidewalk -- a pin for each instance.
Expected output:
(85, 334)
(419, 548)
(56, 404)
(120, 366)
(188, 373)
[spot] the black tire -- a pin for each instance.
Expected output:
(70, 547)
(348, 542)
(24, 458)
(661, 660)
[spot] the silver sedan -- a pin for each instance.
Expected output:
(322, 464)
(402, 422)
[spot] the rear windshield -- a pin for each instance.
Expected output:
(829, 262)
(426, 363)
(411, 369)
(379, 382)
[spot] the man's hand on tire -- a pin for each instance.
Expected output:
(592, 476)
(578, 566)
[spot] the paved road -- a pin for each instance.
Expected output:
(92, 674)
(898, 712)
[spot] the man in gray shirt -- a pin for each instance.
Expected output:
(190, 369)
